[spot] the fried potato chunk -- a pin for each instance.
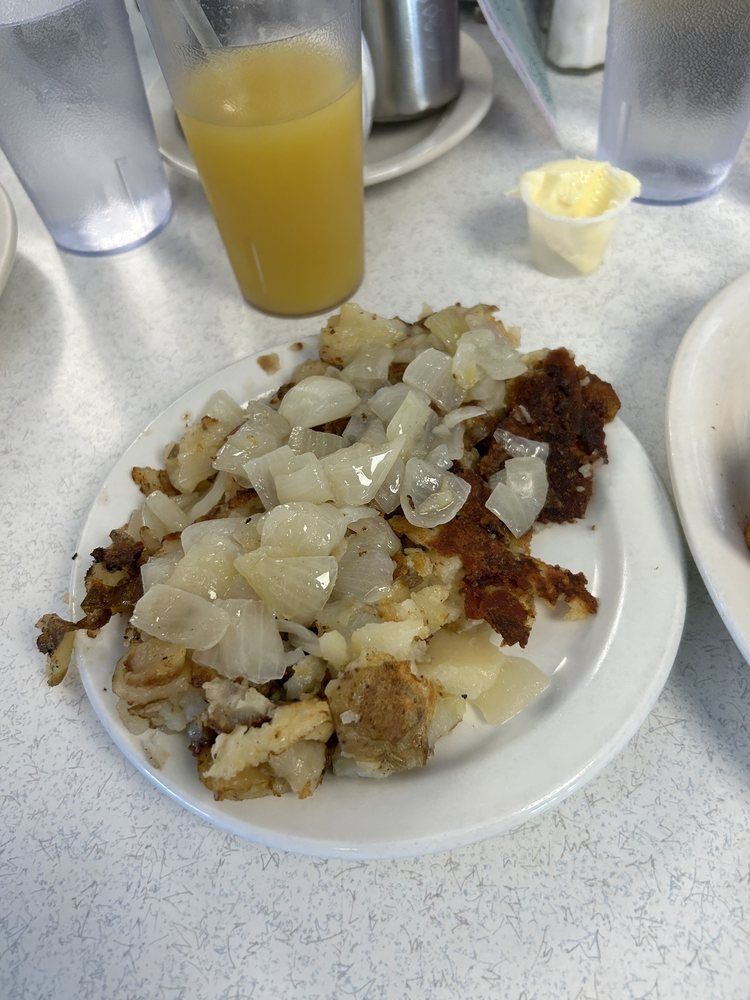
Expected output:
(382, 713)
(250, 747)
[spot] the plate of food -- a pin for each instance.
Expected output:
(384, 591)
(390, 150)
(708, 438)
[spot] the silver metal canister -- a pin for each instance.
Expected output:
(414, 48)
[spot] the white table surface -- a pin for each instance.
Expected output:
(637, 886)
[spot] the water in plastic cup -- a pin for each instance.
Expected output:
(676, 97)
(75, 124)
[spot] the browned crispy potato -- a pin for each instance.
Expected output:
(382, 713)
(56, 641)
(150, 480)
(249, 783)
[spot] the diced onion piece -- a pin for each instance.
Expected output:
(447, 325)
(411, 420)
(180, 617)
(387, 400)
(300, 636)
(440, 456)
(219, 527)
(377, 534)
(431, 496)
(262, 472)
(226, 410)
(263, 430)
(388, 497)
(316, 400)
(307, 482)
(516, 515)
(250, 648)
(211, 497)
(483, 353)
(151, 521)
(461, 414)
(158, 569)
(520, 494)
(294, 656)
(449, 444)
(430, 371)
(293, 587)
(521, 447)
(369, 369)
(346, 616)
(365, 574)
(240, 588)
(302, 439)
(167, 511)
(374, 432)
(355, 474)
(489, 393)
(527, 477)
(357, 514)
(303, 529)
(364, 425)
(208, 568)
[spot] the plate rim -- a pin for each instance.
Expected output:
(9, 246)
(442, 840)
(692, 506)
(476, 96)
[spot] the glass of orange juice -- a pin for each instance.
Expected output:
(268, 93)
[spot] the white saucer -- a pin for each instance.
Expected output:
(391, 150)
(607, 671)
(8, 237)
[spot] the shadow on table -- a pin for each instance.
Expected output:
(148, 285)
(499, 227)
(713, 681)
(29, 316)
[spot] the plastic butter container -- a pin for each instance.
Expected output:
(572, 208)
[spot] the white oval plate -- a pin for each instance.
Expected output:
(607, 671)
(708, 444)
(8, 237)
(391, 150)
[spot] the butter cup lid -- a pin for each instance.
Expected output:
(578, 192)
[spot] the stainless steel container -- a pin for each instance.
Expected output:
(414, 48)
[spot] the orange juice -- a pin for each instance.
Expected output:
(276, 133)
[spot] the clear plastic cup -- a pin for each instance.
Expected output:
(75, 125)
(572, 209)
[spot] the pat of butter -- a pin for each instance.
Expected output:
(572, 208)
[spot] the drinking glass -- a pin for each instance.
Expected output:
(676, 97)
(75, 125)
(268, 93)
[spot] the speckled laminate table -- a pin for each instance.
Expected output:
(637, 886)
